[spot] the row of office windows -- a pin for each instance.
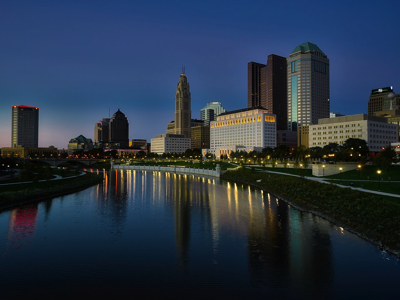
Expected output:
(269, 119)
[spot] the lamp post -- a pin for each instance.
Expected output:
(359, 174)
(323, 170)
(379, 173)
(340, 169)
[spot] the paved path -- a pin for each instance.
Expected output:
(320, 179)
(56, 177)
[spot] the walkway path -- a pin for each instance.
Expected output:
(323, 180)
(56, 177)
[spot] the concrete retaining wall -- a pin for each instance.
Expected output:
(178, 170)
(319, 170)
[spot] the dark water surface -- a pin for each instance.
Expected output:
(148, 234)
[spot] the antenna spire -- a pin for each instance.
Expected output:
(183, 69)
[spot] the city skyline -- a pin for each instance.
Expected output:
(77, 61)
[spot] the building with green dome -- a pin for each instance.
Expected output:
(307, 86)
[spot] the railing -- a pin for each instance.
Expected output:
(179, 170)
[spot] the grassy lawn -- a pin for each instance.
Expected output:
(383, 186)
(293, 171)
(40, 176)
(370, 172)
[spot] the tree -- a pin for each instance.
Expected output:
(358, 146)
(389, 153)
(281, 152)
(316, 152)
(384, 159)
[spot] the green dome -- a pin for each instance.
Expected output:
(305, 47)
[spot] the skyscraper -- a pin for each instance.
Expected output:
(276, 91)
(183, 113)
(307, 86)
(256, 84)
(25, 126)
(101, 132)
(380, 100)
(209, 112)
(119, 130)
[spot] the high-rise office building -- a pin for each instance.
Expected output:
(383, 99)
(256, 84)
(119, 130)
(307, 86)
(209, 112)
(183, 113)
(25, 126)
(101, 132)
(276, 91)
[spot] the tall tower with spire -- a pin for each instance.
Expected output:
(183, 113)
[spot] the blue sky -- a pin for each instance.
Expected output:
(75, 60)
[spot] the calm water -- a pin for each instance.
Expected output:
(146, 235)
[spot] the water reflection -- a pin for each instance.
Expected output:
(22, 226)
(188, 236)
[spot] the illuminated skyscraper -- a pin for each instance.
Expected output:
(307, 86)
(210, 112)
(183, 113)
(25, 126)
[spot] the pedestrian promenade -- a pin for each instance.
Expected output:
(323, 180)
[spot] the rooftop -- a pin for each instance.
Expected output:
(306, 47)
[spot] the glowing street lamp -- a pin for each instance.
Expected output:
(323, 170)
(359, 166)
(340, 169)
(379, 173)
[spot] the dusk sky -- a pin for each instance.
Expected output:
(75, 60)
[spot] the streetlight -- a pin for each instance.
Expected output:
(323, 170)
(379, 173)
(340, 169)
(359, 166)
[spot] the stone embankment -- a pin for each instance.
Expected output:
(172, 169)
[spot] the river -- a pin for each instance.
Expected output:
(151, 234)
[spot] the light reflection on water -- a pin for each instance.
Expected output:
(173, 234)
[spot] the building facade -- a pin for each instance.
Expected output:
(249, 128)
(303, 136)
(393, 117)
(376, 131)
(24, 126)
(170, 143)
(119, 130)
(101, 131)
(276, 91)
(29, 152)
(79, 143)
(209, 112)
(307, 86)
(383, 99)
(256, 84)
(183, 113)
(200, 137)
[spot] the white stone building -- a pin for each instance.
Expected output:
(376, 131)
(250, 128)
(170, 143)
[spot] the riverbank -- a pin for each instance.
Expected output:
(371, 217)
(15, 195)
